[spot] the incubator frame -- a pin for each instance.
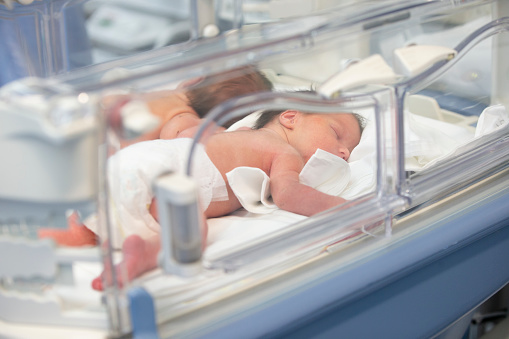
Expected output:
(370, 216)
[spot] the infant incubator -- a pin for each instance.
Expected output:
(423, 231)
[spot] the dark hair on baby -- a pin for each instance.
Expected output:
(218, 88)
(267, 116)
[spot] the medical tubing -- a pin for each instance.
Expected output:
(400, 94)
(114, 293)
(305, 102)
(380, 146)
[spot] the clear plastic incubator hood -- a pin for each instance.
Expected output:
(102, 196)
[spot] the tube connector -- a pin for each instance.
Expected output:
(181, 223)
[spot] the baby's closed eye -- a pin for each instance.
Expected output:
(336, 132)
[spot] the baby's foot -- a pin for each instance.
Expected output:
(139, 256)
(75, 235)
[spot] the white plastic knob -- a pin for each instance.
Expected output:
(210, 31)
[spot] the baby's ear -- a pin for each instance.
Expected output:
(288, 118)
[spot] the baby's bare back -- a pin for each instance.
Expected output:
(249, 148)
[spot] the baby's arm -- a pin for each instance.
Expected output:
(290, 195)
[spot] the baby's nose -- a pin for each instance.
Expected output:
(344, 153)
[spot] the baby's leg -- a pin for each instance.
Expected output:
(75, 235)
(138, 256)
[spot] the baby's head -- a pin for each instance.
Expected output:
(218, 88)
(336, 133)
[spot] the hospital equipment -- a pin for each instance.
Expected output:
(421, 236)
(42, 38)
(120, 28)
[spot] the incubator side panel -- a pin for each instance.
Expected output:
(50, 142)
(460, 101)
(129, 145)
(43, 38)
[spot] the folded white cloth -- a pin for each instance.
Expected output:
(326, 172)
(251, 186)
(491, 119)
